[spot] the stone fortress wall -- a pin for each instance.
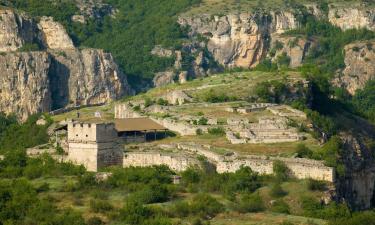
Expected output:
(231, 162)
(143, 159)
(95, 145)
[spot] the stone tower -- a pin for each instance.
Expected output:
(94, 145)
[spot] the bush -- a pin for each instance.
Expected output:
(316, 185)
(250, 203)
(199, 131)
(33, 171)
(214, 96)
(277, 191)
(280, 206)
(281, 171)
(202, 121)
(218, 131)
(266, 66)
(162, 101)
(303, 151)
(205, 206)
(151, 193)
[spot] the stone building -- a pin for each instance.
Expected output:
(93, 144)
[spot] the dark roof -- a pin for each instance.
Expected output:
(137, 124)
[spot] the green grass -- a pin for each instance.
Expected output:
(266, 218)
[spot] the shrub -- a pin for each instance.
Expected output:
(162, 101)
(205, 206)
(199, 131)
(152, 193)
(250, 203)
(303, 151)
(33, 171)
(219, 131)
(202, 121)
(266, 66)
(277, 191)
(280, 171)
(283, 60)
(148, 102)
(316, 185)
(280, 206)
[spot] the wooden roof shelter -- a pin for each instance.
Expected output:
(143, 124)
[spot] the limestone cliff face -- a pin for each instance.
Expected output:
(359, 66)
(349, 18)
(357, 186)
(54, 34)
(296, 48)
(90, 76)
(239, 40)
(58, 77)
(15, 31)
(24, 83)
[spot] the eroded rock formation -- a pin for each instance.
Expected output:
(90, 76)
(359, 66)
(24, 83)
(54, 34)
(15, 31)
(239, 40)
(349, 18)
(57, 77)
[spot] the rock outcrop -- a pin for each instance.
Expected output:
(296, 48)
(350, 18)
(59, 76)
(54, 34)
(15, 31)
(24, 83)
(85, 77)
(239, 40)
(357, 186)
(359, 66)
(89, 9)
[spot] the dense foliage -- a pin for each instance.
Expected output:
(137, 27)
(18, 136)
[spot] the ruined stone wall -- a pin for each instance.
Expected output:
(299, 168)
(125, 111)
(144, 159)
(179, 127)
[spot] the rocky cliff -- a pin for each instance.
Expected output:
(239, 40)
(58, 76)
(85, 77)
(24, 83)
(54, 35)
(349, 18)
(15, 30)
(359, 66)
